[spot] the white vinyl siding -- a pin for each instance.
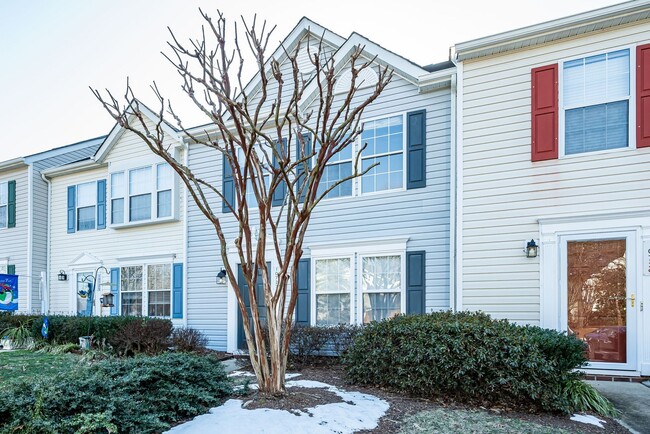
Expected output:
(504, 193)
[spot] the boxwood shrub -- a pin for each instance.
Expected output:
(133, 395)
(469, 357)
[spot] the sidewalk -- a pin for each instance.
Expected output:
(633, 399)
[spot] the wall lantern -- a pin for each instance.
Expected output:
(531, 249)
(107, 300)
(62, 276)
(221, 277)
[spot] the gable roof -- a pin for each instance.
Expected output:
(112, 138)
(537, 34)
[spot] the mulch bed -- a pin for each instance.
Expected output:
(402, 406)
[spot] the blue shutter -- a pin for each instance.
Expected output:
(304, 296)
(228, 186)
(177, 291)
(72, 197)
(301, 167)
(281, 191)
(11, 269)
(416, 149)
(11, 204)
(415, 282)
(101, 204)
(115, 290)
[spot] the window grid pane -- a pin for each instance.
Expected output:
(333, 291)
(140, 207)
(159, 303)
(164, 177)
(86, 218)
(4, 193)
(117, 185)
(164, 204)
(131, 290)
(117, 211)
(140, 181)
(3, 216)
(86, 194)
(381, 283)
(384, 140)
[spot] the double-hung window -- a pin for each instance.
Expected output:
(384, 149)
(381, 287)
(333, 290)
(596, 102)
(4, 204)
(142, 194)
(338, 167)
(251, 200)
(86, 206)
(145, 290)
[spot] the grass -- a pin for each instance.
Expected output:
(23, 364)
(464, 421)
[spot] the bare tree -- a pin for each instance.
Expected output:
(248, 130)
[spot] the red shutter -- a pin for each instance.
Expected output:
(643, 96)
(544, 113)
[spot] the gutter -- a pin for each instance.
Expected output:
(452, 198)
(72, 168)
(16, 163)
(458, 176)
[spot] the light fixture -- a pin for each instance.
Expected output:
(62, 276)
(221, 277)
(531, 249)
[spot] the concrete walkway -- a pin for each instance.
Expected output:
(633, 399)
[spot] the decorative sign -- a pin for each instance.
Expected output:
(8, 292)
(646, 258)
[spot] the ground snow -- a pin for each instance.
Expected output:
(588, 419)
(358, 411)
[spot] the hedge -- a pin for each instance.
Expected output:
(140, 394)
(469, 357)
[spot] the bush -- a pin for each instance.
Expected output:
(310, 342)
(467, 356)
(145, 336)
(67, 329)
(188, 340)
(140, 394)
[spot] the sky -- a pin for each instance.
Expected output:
(52, 51)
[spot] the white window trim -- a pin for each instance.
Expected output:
(5, 185)
(144, 290)
(358, 180)
(631, 106)
(77, 207)
(350, 256)
(153, 190)
(357, 249)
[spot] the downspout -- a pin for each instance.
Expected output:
(459, 188)
(30, 235)
(452, 199)
(45, 300)
(186, 227)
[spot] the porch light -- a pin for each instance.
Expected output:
(531, 249)
(221, 277)
(62, 276)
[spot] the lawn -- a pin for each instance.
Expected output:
(22, 364)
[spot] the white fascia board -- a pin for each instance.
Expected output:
(304, 26)
(79, 166)
(556, 29)
(16, 163)
(117, 132)
(400, 66)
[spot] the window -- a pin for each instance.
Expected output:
(333, 291)
(156, 299)
(131, 290)
(4, 204)
(86, 206)
(338, 167)
(142, 194)
(159, 287)
(384, 140)
(381, 287)
(118, 192)
(3, 267)
(596, 102)
(251, 200)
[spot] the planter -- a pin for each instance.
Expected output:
(85, 341)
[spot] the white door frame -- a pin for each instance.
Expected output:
(631, 285)
(553, 228)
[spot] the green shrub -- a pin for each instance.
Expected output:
(140, 394)
(67, 329)
(147, 335)
(188, 340)
(310, 342)
(583, 397)
(467, 356)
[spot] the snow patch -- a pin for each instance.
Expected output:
(241, 374)
(358, 411)
(588, 419)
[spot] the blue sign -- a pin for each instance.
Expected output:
(45, 330)
(8, 292)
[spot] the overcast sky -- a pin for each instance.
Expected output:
(53, 50)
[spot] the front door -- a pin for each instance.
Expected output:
(599, 287)
(261, 305)
(84, 292)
